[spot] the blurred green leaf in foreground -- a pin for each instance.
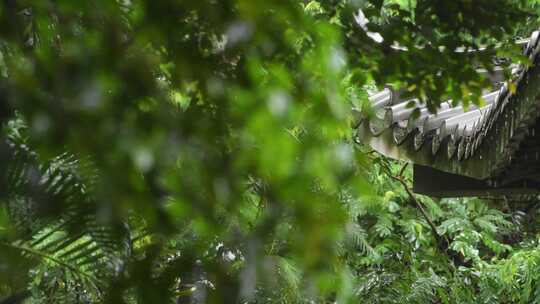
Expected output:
(201, 152)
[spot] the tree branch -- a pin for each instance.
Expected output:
(442, 241)
(418, 205)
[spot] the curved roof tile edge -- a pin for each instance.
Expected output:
(467, 153)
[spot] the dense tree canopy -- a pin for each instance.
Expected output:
(162, 151)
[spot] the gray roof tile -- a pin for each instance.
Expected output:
(454, 134)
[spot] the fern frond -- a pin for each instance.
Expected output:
(51, 205)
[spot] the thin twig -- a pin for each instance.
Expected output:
(418, 205)
(403, 170)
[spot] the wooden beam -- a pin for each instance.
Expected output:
(433, 182)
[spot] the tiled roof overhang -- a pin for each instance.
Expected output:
(478, 142)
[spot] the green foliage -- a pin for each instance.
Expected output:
(201, 152)
(69, 255)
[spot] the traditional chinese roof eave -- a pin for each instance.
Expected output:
(478, 142)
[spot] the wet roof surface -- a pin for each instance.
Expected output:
(455, 134)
